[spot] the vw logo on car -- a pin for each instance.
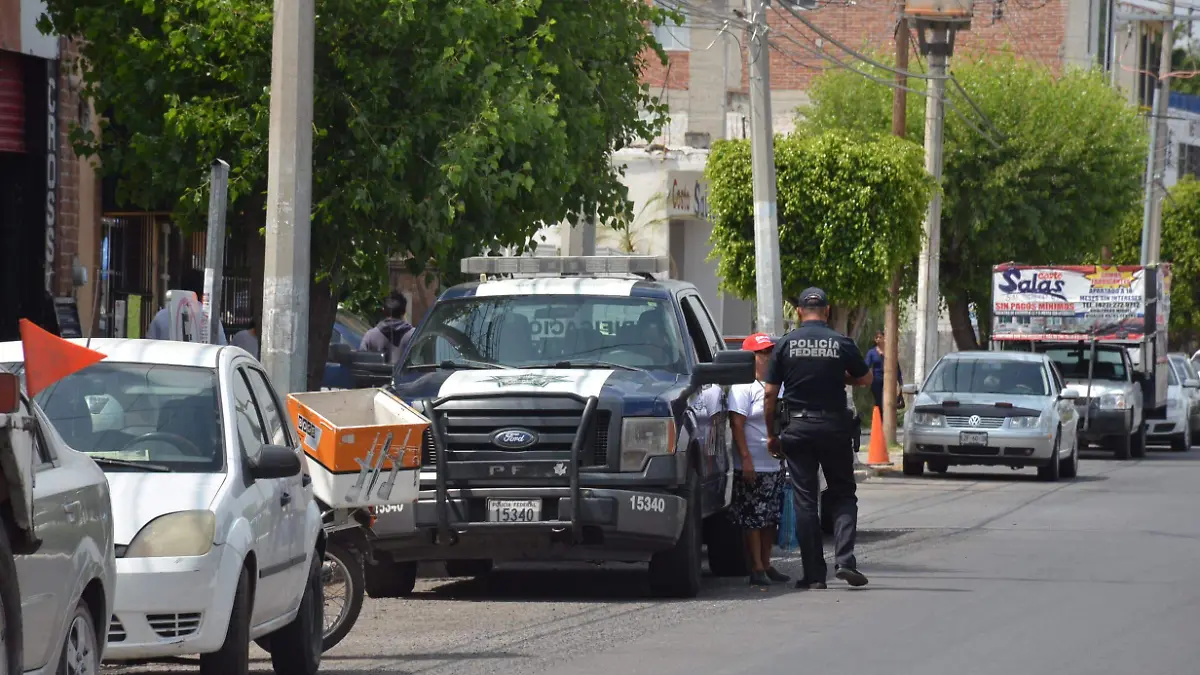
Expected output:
(975, 420)
(514, 439)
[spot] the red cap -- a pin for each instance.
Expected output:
(758, 342)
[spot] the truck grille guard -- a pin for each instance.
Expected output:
(447, 530)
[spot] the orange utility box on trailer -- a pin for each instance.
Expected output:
(363, 446)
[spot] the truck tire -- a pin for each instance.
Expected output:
(726, 546)
(469, 568)
(388, 579)
(675, 573)
(11, 633)
(1137, 442)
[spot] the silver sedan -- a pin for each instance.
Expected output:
(993, 408)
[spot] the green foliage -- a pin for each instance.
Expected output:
(1062, 167)
(849, 210)
(440, 126)
(1180, 247)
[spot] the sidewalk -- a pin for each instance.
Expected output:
(895, 457)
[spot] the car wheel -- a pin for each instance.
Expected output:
(938, 465)
(1182, 442)
(1050, 471)
(469, 568)
(1069, 467)
(342, 592)
(913, 466)
(675, 573)
(81, 648)
(233, 658)
(1137, 446)
(296, 648)
(726, 546)
(11, 636)
(388, 579)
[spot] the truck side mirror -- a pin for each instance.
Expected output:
(10, 393)
(728, 367)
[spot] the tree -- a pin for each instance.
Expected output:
(1180, 247)
(440, 126)
(1056, 165)
(850, 213)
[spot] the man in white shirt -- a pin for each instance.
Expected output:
(758, 485)
(247, 339)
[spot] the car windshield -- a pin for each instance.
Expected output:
(1073, 363)
(981, 376)
(545, 330)
(140, 413)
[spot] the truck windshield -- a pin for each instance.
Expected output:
(1073, 363)
(546, 330)
(980, 376)
(162, 417)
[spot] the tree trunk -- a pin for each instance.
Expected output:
(322, 309)
(960, 324)
(859, 318)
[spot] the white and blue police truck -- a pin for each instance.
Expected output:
(578, 409)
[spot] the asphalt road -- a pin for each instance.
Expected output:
(980, 572)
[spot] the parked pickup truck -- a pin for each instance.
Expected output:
(578, 413)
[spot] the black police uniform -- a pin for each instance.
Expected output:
(811, 363)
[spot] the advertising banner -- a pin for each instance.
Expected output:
(1071, 303)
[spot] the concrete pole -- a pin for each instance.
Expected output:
(762, 152)
(1159, 139)
(288, 268)
(928, 297)
(891, 318)
(588, 230)
(214, 253)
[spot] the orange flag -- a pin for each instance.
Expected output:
(49, 358)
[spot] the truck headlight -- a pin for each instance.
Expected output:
(179, 534)
(1024, 422)
(1172, 403)
(643, 437)
(1114, 402)
(929, 420)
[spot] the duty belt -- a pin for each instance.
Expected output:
(818, 414)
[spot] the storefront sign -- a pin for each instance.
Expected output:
(687, 195)
(51, 168)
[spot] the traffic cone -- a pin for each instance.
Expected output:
(878, 454)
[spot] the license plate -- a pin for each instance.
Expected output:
(972, 438)
(514, 510)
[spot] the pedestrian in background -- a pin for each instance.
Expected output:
(813, 363)
(247, 339)
(875, 361)
(392, 334)
(758, 482)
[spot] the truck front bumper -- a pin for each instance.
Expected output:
(1104, 424)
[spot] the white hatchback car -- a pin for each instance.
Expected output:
(218, 537)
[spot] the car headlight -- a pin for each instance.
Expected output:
(1114, 402)
(929, 420)
(1024, 422)
(180, 534)
(643, 437)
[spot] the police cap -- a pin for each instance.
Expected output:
(813, 297)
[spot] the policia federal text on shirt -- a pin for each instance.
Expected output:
(814, 363)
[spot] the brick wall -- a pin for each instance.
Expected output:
(675, 74)
(67, 236)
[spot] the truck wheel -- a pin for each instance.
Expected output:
(11, 635)
(387, 579)
(726, 547)
(913, 466)
(675, 573)
(469, 568)
(1137, 442)
(296, 648)
(234, 656)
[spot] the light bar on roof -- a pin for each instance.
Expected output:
(567, 265)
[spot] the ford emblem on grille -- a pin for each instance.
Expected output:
(514, 439)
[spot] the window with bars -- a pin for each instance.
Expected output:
(1189, 160)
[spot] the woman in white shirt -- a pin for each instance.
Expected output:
(758, 485)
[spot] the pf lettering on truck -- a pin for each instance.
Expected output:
(577, 412)
(1105, 329)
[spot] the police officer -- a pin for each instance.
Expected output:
(813, 363)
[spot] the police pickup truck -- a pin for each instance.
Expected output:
(578, 414)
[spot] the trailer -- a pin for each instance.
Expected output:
(1105, 327)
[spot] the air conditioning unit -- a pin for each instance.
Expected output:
(940, 10)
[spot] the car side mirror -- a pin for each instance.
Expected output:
(275, 461)
(728, 367)
(340, 353)
(10, 393)
(1191, 383)
(1069, 395)
(910, 389)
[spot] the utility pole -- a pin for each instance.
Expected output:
(762, 154)
(214, 253)
(891, 319)
(288, 268)
(1156, 159)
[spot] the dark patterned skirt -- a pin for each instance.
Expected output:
(757, 505)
